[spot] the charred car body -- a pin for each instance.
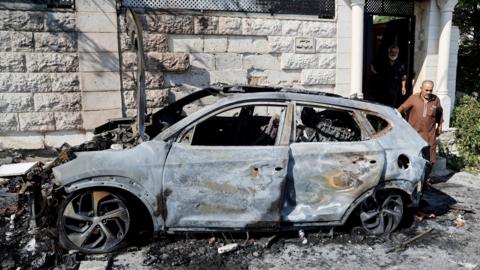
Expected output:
(257, 159)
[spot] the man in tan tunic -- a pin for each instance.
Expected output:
(424, 113)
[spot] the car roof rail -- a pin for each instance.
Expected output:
(258, 89)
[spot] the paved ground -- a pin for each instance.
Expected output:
(447, 246)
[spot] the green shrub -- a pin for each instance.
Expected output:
(467, 121)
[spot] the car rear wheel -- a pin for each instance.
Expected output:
(382, 214)
(94, 221)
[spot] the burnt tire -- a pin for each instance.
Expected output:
(382, 213)
(94, 221)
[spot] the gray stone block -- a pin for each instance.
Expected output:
(53, 102)
(38, 121)
(155, 43)
(60, 21)
(96, 22)
(18, 102)
(321, 29)
(12, 62)
(214, 44)
(325, 45)
(248, 45)
(129, 61)
(8, 122)
(22, 41)
(65, 82)
(228, 61)
(129, 99)
(101, 61)
(167, 61)
(100, 81)
(5, 40)
(318, 76)
(26, 21)
(261, 27)
(56, 42)
(97, 42)
(206, 25)
(185, 43)
(16, 41)
(193, 77)
(154, 80)
(229, 26)
(261, 61)
(157, 98)
(92, 119)
(52, 62)
(68, 120)
(101, 100)
(96, 5)
(202, 60)
(25, 82)
(170, 24)
(230, 76)
(281, 44)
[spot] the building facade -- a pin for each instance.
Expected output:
(65, 70)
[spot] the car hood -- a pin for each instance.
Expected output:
(139, 163)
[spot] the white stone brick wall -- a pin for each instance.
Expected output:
(39, 64)
(236, 50)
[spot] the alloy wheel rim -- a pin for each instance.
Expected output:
(96, 220)
(383, 218)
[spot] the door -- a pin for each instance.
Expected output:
(332, 163)
(228, 170)
(381, 32)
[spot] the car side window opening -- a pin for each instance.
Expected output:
(241, 126)
(378, 123)
(319, 124)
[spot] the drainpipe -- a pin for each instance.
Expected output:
(357, 48)
(446, 13)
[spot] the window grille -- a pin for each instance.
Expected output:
(45, 3)
(390, 7)
(321, 8)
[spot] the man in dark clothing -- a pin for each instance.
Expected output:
(392, 77)
(424, 113)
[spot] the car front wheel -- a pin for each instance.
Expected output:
(93, 221)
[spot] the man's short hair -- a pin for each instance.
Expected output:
(428, 81)
(393, 47)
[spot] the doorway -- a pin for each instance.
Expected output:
(382, 32)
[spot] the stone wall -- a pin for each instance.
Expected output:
(39, 83)
(198, 50)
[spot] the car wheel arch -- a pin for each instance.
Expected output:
(393, 186)
(118, 184)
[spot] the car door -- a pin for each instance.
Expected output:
(228, 169)
(333, 163)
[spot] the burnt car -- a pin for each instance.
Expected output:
(256, 159)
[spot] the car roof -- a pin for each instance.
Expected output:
(237, 94)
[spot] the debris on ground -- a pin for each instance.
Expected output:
(227, 248)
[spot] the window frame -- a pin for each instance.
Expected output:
(281, 134)
(361, 122)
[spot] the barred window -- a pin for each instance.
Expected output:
(320, 8)
(45, 3)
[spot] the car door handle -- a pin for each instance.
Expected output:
(278, 169)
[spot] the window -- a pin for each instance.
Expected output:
(317, 124)
(380, 125)
(241, 126)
